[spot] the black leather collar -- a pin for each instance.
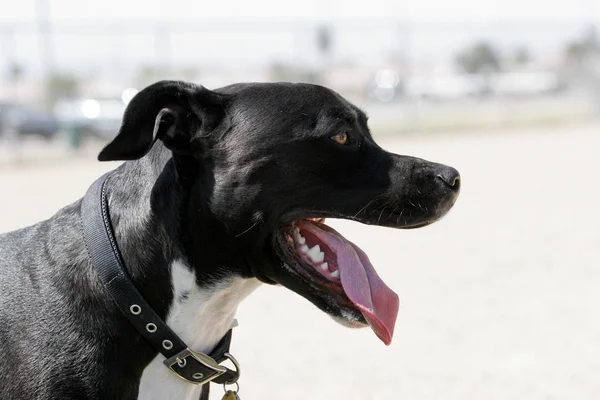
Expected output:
(194, 367)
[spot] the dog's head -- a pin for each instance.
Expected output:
(266, 164)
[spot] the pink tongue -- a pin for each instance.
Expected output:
(365, 289)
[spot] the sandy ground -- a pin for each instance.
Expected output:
(497, 299)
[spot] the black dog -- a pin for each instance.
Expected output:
(224, 189)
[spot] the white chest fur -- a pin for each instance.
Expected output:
(200, 317)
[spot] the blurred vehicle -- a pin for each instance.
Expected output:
(100, 117)
(446, 86)
(526, 83)
(25, 120)
(386, 86)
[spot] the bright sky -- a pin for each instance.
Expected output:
(232, 42)
(421, 10)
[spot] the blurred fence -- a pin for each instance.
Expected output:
(409, 76)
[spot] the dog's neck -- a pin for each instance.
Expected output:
(198, 301)
(199, 316)
(155, 224)
(209, 310)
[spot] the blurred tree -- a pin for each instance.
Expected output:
(324, 39)
(188, 74)
(578, 50)
(479, 58)
(150, 74)
(280, 72)
(146, 75)
(582, 64)
(61, 86)
(522, 56)
(16, 72)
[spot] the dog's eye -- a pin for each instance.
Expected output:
(341, 138)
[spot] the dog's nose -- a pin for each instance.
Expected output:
(450, 177)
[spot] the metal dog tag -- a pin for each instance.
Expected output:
(230, 395)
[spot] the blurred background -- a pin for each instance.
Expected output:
(496, 300)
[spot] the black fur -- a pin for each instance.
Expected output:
(215, 178)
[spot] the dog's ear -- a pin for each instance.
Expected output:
(179, 114)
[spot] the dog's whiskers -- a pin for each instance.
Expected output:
(384, 206)
(381, 213)
(247, 230)
(367, 205)
(399, 216)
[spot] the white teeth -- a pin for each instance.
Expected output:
(335, 273)
(304, 248)
(316, 254)
(324, 267)
(298, 237)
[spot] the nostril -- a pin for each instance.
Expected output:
(450, 181)
(450, 177)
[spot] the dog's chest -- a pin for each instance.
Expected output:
(200, 317)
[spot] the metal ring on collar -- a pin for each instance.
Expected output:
(238, 369)
(237, 387)
(198, 375)
(135, 309)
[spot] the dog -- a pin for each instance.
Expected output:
(221, 191)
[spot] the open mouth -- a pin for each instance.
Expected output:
(342, 273)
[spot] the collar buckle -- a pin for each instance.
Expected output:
(193, 367)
